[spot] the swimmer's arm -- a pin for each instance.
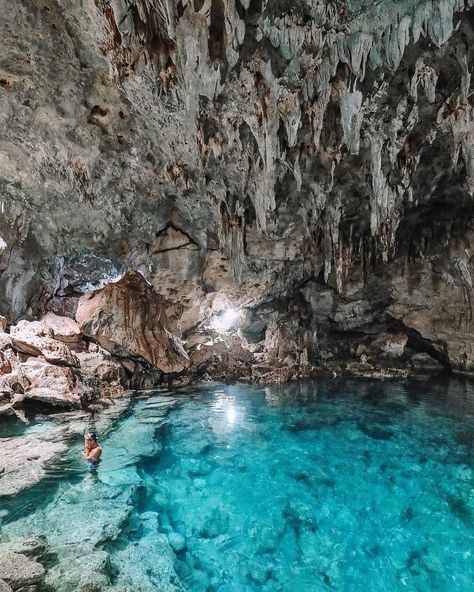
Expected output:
(95, 454)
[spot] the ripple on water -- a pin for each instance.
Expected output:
(331, 486)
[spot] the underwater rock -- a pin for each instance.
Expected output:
(214, 523)
(22, 463)
(177, 541)
(147, 565)
(128, 318)
(84, 573)
(34, 547)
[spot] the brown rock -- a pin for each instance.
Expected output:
(51, 384)
(3, 324)
(64, 329)
(5, 364)
(107, 371)
(128, 318)
(5, 341)
(38, 380)
(390, 344)
(35, 339)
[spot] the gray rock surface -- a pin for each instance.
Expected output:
(308, 162)
(18, 571)
(22, 463)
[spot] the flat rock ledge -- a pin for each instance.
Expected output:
(22, 463)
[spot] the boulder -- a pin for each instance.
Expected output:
(100, 366)
(85, 573)
(128, 318)
(33, 546)
(55, 385)
(64, 329)
(391, 345)
(5, 364)
(18, 571)
(3, 324)
(22, 463)
(37, 380)
(36, 339)
(4, 587)
(6, 409)
(177, 542)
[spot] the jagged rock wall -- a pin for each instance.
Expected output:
(313, 145)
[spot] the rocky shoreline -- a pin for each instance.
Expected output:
(126, 337)
(74, 559)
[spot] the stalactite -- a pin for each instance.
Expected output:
(290, 112)
(427, 77)
(351, 116)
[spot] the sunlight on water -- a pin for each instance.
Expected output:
(344, 486)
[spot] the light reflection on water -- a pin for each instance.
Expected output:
(336, 485)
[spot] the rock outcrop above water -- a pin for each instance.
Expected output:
(309, 164)
(18, 572)
(128, 319)
(36, 368)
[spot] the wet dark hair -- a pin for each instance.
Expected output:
(93, 436)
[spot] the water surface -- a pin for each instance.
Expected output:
(343, 485)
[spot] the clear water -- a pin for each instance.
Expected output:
(343, 486)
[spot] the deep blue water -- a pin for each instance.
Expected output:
(343, 486)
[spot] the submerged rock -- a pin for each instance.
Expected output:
(147, 565)
(23, 460)
(177, 542)
(84, 573)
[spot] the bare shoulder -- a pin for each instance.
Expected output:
(95, 454)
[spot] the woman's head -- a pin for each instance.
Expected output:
(90, 438)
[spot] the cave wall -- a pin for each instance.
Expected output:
(307, 159)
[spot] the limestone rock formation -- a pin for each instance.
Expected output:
(64, 329)
(4, 587)
(37, 339)
(128, 318)
(19, 572)
(22, 463)
(310, 160)
(35, 367)
(101, 367)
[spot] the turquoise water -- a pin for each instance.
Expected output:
(343, 486)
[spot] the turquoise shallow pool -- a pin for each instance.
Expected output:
(344, 486)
